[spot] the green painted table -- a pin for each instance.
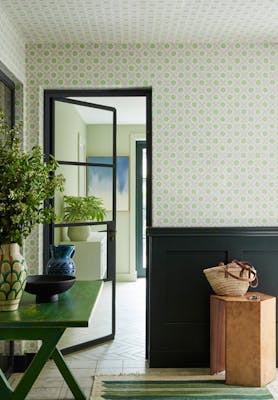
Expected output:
(47, 322)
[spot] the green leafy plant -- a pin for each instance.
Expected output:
(27, 182)
(78, 208)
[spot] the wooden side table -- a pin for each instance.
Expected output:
(243, 338)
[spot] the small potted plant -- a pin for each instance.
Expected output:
(27, 181)
(82, 209)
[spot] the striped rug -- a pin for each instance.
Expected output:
(164, 388)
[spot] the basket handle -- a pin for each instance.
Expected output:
(244, 265)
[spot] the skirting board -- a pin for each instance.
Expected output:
(126, 277)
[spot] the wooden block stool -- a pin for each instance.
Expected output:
(243, 338)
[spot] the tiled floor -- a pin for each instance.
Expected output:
(102, 322)
(124, 355)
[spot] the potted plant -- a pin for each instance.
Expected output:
(82, 209)
(27, 181)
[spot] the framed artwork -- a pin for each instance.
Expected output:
(100, 179)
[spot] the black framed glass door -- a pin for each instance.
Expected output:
(88, 163)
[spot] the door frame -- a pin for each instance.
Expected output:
(10, 85)
(140, 145)
(146, 92)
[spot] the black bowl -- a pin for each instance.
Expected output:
(47, 287)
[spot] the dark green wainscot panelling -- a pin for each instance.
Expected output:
(179, 293)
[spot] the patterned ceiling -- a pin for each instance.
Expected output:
(144, 21)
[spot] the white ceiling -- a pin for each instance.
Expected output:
(144, 21)
(130, 110)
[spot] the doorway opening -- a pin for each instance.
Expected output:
(88, 154)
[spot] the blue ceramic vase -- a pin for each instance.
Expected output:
(61, 262)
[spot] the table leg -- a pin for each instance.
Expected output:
(217, 335)
(6, 390)
(50, 338)
(34, 369)
(66, 373)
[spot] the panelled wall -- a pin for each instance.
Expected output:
(179, 294)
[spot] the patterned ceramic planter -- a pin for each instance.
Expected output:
(13, 274)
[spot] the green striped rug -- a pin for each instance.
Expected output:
(146, 388)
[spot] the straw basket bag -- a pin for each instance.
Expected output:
(232, 279)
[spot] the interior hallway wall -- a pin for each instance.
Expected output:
(214, 121)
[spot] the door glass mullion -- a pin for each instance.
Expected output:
(85, 164)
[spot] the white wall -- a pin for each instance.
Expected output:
(99, 144)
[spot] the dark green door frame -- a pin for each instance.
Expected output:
(141, 272)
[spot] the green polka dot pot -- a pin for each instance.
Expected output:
(13, 275)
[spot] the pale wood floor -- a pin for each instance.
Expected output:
(124, 355)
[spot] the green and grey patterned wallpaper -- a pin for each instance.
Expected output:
(215, 139)
(215, 136)
(12, 48)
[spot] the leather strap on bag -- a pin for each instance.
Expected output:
(245, 266)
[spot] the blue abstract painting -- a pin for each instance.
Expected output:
(100, 182)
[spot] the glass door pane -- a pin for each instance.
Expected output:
(85, 142)
(82, 131)
(69, 204)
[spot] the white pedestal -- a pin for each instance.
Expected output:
(90, 257)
